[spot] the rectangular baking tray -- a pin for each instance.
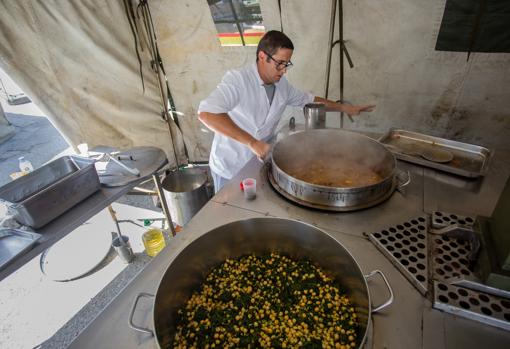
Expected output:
(44, 194)
(468, 160)
(13, 243)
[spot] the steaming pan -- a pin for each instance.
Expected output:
(333, 169)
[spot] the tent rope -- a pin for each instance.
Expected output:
(132, 25)
(169, 113)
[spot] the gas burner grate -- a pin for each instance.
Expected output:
(405, 245)
(486, 308)
(450, 258)
(442, 219)
(412, 249)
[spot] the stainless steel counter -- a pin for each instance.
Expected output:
(410, 322)
(66, 223)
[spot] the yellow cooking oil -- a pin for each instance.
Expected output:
(154, 241)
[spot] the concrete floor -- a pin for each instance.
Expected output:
(35, 311)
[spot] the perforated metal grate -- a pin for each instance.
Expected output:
(450, 258)
(405, 245)
(441, 219)
(412, 249)
(449, 262)
(471, 304)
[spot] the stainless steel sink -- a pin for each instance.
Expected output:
(13, 243)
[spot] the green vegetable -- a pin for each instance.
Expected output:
(267, 301)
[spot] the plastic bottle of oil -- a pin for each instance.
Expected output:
(153, 239)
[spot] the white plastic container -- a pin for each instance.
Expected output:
(25, 165)
(250, 188)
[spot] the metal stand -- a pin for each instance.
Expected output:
(161, 195)
(343, 50)
(164, 204)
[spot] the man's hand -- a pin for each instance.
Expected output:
(259, 148)
(356, 109)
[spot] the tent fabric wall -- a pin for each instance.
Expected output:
(396, 67)
(76, 60)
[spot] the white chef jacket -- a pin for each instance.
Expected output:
(241, 94)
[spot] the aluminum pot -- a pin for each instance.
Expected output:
(315, 116)
(259, 236)
(186, 192)
(336, 150)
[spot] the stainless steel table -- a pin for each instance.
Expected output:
(410, 322)
(66, 223)
(79, 214)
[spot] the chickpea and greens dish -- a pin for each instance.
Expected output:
(269, 301)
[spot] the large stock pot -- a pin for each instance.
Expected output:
(333, 169)
(258, 236)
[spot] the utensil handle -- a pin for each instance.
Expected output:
(114, 217)
(390, 300)
(132, 312)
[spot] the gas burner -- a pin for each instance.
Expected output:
(450, 250)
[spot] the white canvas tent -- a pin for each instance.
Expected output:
(77, 60)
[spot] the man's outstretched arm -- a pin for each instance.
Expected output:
(346, 108)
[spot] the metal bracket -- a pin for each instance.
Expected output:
(464, 233)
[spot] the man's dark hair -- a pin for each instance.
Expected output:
(272, 41)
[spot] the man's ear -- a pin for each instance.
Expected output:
(261, 55)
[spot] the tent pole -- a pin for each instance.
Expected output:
(341, 44)
(330, 46)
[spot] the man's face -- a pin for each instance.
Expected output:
(272, 67)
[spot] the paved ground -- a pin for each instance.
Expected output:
(35, 138)
(35, 311)
(34, 135)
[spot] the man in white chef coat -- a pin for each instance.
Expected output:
(244, 109)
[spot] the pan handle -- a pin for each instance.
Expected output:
(132, 312)
(292, 123)
(390, 300)
(404, 183)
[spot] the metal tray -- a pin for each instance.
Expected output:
(39, 197)
(13, 243)
(466, 160)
